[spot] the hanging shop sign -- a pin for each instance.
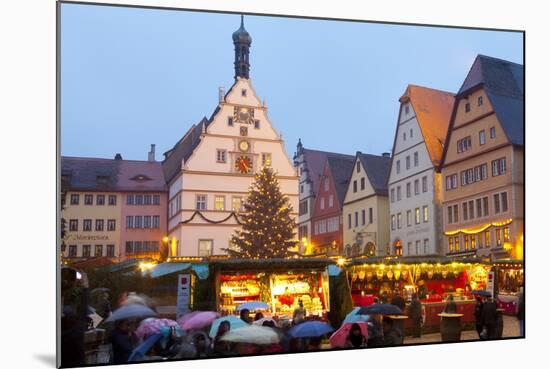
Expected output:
(184, 293)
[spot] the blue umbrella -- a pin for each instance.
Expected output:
(234, 323)
(310, 329)
(131, 311)
(382, 309)
(481, 293)
(139, 352)
(253, 305)
(353, 317)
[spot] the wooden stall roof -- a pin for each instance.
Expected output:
(271, 264)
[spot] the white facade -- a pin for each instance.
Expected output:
(212, 182)
(306, 202)
(414, 213)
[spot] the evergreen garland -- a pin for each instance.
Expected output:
(268, 228)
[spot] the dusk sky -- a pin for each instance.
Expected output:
(132, 77)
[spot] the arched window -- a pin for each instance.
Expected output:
(370, 249)
(398, 248)
(356, 250)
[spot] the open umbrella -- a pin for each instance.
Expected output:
(253, 305)
(252, 334)
(382, 309)
(151, 326)
(140, 351)
(338, 338)
(234, 322)
(199, 320)
(131, 311)
(353, 317)
(481, 293)
(266, 319)
(310, 329)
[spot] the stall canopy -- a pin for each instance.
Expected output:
(159, 270)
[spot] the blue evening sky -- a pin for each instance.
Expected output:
(132, 77)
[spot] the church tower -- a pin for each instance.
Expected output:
(242, 42)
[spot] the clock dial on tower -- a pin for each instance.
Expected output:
(243, 164)
(244, 145)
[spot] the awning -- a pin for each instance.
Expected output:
(163, 269)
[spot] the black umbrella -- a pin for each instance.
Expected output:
(481, 293)
(381, 309)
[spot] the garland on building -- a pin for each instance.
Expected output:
(268, 228)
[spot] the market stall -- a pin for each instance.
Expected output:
(432, 279)
(281, 283)
(509, 280)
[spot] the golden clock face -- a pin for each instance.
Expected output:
(243, 164)
(244, 146)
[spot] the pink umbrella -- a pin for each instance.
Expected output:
(152, 326)
(197, 320)
(338, 338)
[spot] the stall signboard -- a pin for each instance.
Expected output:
(490, 286)
(184, 293)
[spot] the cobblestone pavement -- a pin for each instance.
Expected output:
(511, 329)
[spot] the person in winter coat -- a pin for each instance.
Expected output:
(219, 347)
(123, 340)
(489, 318)
(355, 338)
(375, 331)
(521, 312)
(392, 335)
(415, 314)
(450, 307)
(478, 316)
(398, 300)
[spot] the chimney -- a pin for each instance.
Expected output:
(118, 156)
(386, 154)
(151, 156)
(221, 94)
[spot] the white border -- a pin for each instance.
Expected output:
(27, 121)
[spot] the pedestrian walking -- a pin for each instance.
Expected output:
(299, 314)
(219, 347)
(245, 316)
(478, 315)
(489, 319)
(415, 314)
(355, 338)
(123, 340)
(392, 335)
(398, 300)
(375, 331)
(521, 312)
(450, 307)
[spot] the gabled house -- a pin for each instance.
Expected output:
(366, 211)
(482, 165)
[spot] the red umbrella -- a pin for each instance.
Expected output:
(198, 320)
(338, 338)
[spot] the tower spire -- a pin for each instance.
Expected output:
(242, 42)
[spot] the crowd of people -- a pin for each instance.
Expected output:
(173, 342)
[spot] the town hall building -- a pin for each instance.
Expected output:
(209, 170)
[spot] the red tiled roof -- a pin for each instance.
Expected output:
(433, 109)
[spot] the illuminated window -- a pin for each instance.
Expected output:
(236, 203)
(506, 234)
(417, 216)
(457, 244)
(266, 159)
(487, 239)
(451, 244)
(398, 248)
(498, 237)
(425, 213)
(481, 239)
(466, 242)
(219, 202)
(473, 242)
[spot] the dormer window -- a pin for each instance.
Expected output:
(140, 178)
(102, 180)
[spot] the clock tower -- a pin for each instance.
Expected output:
(242, 42)
(210, 169)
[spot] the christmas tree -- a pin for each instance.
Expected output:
(267, 227)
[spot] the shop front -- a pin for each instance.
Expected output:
(280, 283)
(509, 278)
